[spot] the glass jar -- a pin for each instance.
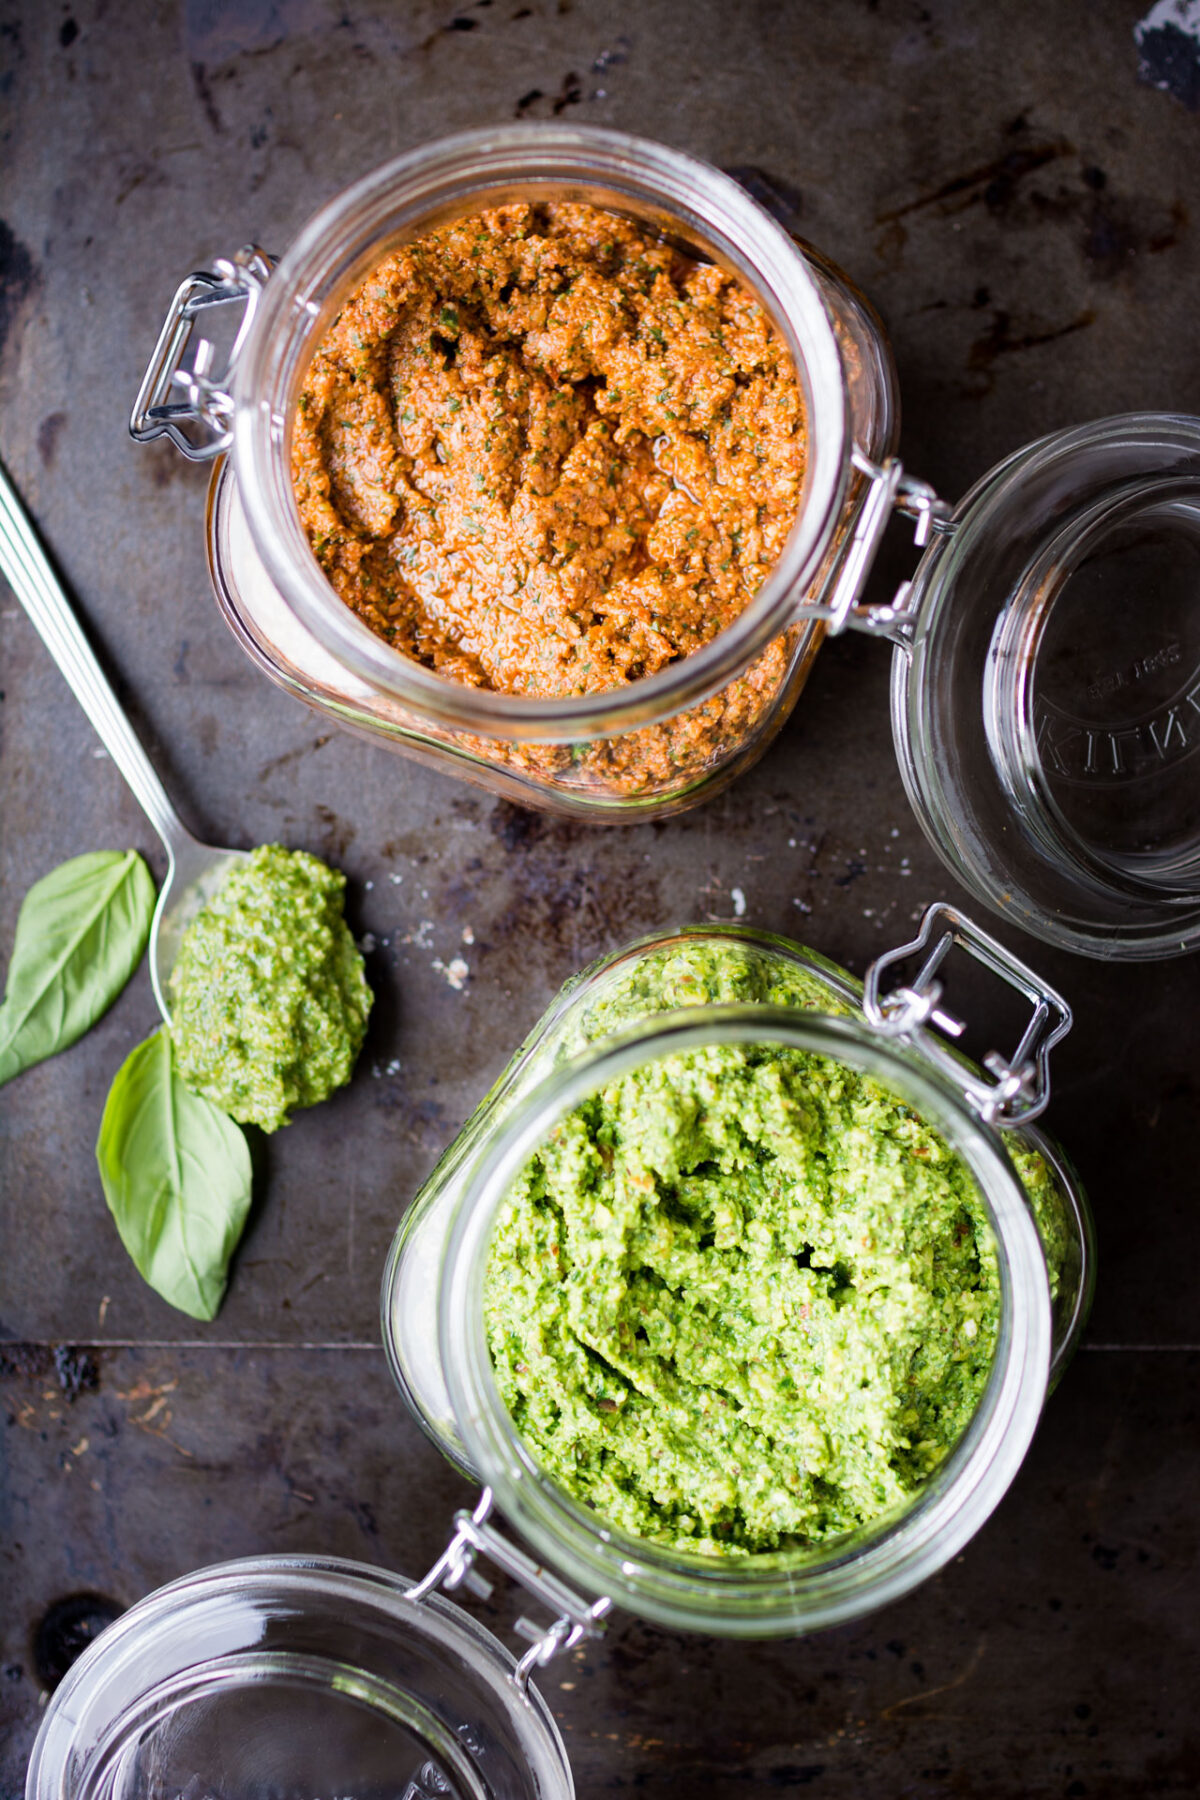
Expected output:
(1046, 676)
(433, 1314)
(317, 1677)
(662, 742)
(292, 1676)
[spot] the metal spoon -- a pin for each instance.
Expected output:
(194, 871)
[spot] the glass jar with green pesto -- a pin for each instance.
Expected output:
(742, 1290)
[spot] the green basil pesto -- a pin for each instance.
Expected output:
(269, 1001)
(744, 1299)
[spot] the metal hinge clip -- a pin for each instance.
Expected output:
(1020, 1084)
(455, 1568)
(890, 489)
(207, 405)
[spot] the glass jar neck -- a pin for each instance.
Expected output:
(678, 196)
(754, 1595)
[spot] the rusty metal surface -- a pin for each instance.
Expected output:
(1025, 213)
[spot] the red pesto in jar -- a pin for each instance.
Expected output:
(543, 452)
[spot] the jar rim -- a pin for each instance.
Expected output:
(358, 225)
(752, 1596)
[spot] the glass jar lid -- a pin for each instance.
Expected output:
(301, 1679)
(1046, 688)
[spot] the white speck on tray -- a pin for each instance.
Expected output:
(395, 880)
(803, 905)
(393, 1067)
(368, 885)
(366, 942)
(1161, 38)
(422, 937)
(791, 843)
(739, 902)
(99, 754)
(456, 971)
(468, 935)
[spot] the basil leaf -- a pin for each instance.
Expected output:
(80, 935)
(176, 1175)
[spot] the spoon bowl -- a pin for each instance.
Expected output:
(195, 872)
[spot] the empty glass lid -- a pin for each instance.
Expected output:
(1047, 700)
(296, 1679)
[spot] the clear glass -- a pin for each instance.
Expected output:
(432, 1296)
(1047, 710)
(300, 1679)
(698, 722)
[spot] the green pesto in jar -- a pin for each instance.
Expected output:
(744, 1299)
(268, 997)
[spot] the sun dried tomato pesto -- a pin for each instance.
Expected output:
(542, 452)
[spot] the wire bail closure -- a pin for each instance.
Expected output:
(891, 489)
(455, 1568)
(1020, 1088)
(236, 280)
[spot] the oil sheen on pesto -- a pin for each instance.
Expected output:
(744, 1299)
(269, 1001)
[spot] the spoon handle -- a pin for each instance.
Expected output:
(37, 587)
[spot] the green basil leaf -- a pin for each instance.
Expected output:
(176, 1175)
(80, 935)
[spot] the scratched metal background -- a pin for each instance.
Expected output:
(1026, 213)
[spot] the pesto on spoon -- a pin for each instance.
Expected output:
(269, 1001)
